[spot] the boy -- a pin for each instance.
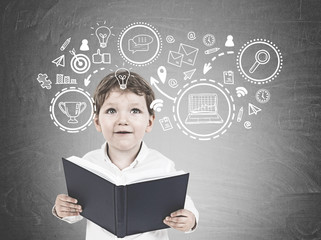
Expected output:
(123, 116)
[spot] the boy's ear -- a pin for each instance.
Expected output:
(97, 124)
(150, 123)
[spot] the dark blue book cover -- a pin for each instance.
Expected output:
(125, 210)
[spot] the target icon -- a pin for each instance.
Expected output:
(79, 63)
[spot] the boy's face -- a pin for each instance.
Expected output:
(123, 120)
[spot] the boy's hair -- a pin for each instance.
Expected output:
(135, 84)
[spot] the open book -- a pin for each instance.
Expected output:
(122, 210)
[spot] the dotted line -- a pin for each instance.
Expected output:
(53, 117)
(274, 47)
(222, 54)
(87, 79)
(138, 24)
(223, 131)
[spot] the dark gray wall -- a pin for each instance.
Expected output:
(262, 183)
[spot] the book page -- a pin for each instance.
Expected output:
(154, 176)
(103, 173)
(95, 169)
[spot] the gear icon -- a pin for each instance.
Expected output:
(45, 83)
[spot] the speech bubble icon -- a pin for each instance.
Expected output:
(140, 43)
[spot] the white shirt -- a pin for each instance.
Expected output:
(148, 163)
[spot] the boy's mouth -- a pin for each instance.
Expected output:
(123, 132)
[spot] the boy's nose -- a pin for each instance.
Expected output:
(122, 122)
(123, 119)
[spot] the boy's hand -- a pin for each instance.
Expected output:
(66, 206)
(182, 220)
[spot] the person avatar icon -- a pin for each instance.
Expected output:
(84, 45)
(229, 41)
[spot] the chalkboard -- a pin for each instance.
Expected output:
(255, 173)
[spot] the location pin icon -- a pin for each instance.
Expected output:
(161, 71)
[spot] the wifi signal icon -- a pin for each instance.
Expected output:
(241, 91)
(157, 105)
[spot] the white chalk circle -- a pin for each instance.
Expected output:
(64, 118)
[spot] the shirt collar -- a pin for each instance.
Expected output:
(140, 157)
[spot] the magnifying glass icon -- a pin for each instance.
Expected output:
(261, 57)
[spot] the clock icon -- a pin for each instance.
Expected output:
(209, 40)
(262, 96)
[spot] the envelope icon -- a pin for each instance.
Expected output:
(189, 53)
(175, 58)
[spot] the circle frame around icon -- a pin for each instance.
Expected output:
(210, 83)
(267, 79)
(52, 110)
(149, 27)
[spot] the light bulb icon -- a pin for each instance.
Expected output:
(122, 75)
(103, 34)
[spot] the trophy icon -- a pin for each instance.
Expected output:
(72, 110)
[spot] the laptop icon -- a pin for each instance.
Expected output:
(202, 109)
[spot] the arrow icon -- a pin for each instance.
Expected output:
(207, 67)
(253, 109)
(189, 74)
(87, 80)
(59, 61)
(154, 82)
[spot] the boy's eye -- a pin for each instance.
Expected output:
(110, 111)
(135, 110)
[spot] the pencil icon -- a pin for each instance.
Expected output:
(65, 44)
(240, 115)
(212, 50)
